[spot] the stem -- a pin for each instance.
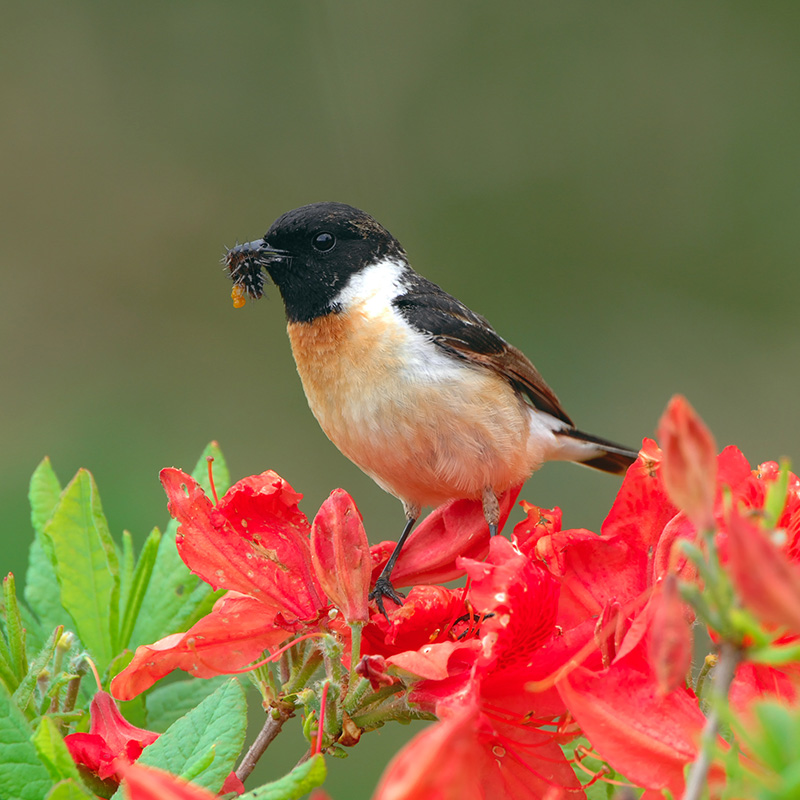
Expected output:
(355, 649)
(728, 660)
(709, 663)
(272, 727)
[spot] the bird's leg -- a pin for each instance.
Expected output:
(491, 509)
(383, 586)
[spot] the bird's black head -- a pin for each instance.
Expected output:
(310, 253)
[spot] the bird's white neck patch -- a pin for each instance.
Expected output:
(373, 288)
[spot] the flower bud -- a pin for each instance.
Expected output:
(340, 555)
(689, 465)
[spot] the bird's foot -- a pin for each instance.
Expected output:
(383, 588)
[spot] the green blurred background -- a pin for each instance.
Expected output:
(615, 185)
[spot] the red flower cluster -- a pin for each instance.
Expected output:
(558, 633)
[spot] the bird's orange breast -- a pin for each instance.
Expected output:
(425, 434)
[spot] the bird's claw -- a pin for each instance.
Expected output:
(383, 588)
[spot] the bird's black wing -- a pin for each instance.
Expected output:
(462, 333)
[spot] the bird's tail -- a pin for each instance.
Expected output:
(592, 451)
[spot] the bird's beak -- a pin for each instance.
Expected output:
(246, 263)
(258, 249)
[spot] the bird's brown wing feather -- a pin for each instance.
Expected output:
(464, 334)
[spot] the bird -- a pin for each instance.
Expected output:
(411, 385)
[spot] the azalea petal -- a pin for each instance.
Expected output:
(520, 596)
(648, 736)
(466, 757)
(373, 668)
(255, 541)
(236, 631)
(437, 764)
(232, 785)
(670, 642)
(753, 682)
(89, 750)
(429, 614)
(434, 661)
(457, 528)
(641, 508)
(764, 577)
(116, 731)
(538, 523)
(527, 690)
(340, 555)
(597, 571)
(149, 783)
(733, 469)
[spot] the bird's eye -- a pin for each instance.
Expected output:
(323, 241)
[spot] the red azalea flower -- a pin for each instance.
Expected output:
(113, 744)
(465, 756)
(429, 614)
(476, 685)
(283, 573)
(626, 694)
(256, 543)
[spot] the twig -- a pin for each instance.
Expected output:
(726, 668)
(272, 727)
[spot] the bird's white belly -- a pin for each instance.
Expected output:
(424, 426)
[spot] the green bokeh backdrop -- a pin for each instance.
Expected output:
(615, 185)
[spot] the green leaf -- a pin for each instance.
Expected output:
(24, 692)
(43, 494)
(69, 790)
(139, 582)
(14, 629)
(777, 494)
(219, 722)
(301, 780)
(777, 740)
(22, 774)
(53, 752)
(41, 587)
(127, 565)
(168, 702)
(174, 595)
(86, 565)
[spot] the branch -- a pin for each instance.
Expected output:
(272, 727)
(723, 677)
